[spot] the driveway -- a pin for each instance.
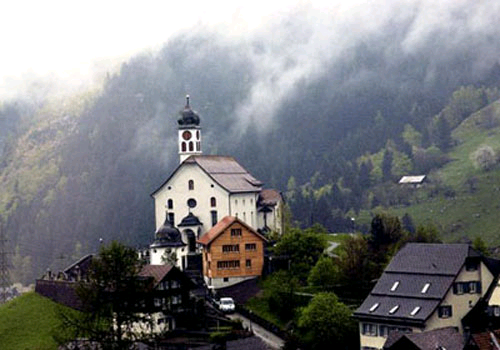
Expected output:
(271, 339)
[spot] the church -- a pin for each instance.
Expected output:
(203, 190)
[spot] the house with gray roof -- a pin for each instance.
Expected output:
(424, 287)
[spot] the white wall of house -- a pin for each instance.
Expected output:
(461, 303)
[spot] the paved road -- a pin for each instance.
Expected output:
(271, 339)
(330, 248)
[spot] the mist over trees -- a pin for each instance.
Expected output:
(321, 118)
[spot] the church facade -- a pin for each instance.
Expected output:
(201, 191)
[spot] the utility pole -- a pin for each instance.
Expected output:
(4, 265)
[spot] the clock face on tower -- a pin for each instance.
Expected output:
(186, 135)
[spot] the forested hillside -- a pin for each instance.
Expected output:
(79, 168)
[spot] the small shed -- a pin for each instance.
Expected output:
(413, 180)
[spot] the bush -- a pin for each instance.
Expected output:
(484, 158)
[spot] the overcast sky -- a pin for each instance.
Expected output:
(71, 39)
(77, 40)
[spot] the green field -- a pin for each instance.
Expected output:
(29, 322)
(468, 213)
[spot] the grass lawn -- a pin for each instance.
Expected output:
(260, 307)
(29, 322)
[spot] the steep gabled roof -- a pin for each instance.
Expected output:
(158, 272)
(415, 282)
(221, 226)
(225, 171)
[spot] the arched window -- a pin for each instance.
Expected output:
(191, 148)
(213, 202)
(170, 204)
(191, 185)
(197, 134)
(183, 147)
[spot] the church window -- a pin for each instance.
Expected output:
(191, 185)
(197, 134)
(171, 218)
(170, 204)
(245, 216)
(198, 146)
(183, 147)
(213, 202)
(191, 202)
(213, 213)
(191, 147)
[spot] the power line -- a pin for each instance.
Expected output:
(4, 265)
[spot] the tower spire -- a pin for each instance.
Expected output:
(189, 132)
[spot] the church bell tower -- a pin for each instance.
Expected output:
(189, 133)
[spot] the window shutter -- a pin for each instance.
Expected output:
(478, 287)
(454, 288)
(440, 311)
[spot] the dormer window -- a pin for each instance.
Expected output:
(415, 311)
(395, 286)
(426, 288)
(394, 309)
(374, 307)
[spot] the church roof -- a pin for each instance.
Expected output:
(225, 171)
(188, 116)
(190, 220)
(221, 226)
(167, 236)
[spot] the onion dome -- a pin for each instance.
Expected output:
(188, 116)
(190, 220)
(167, 236)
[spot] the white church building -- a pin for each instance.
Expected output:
(202, 190)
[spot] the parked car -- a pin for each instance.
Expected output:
(226, 304)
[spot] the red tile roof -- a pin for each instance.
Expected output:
(222, 225)
(484, 341)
